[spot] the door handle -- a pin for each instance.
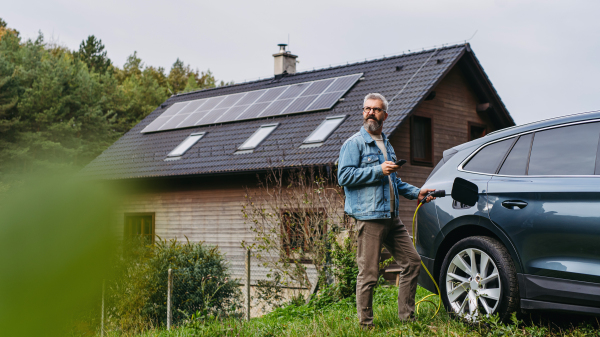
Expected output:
(514, 204)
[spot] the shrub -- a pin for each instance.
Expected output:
(201, 285)
(344, 269)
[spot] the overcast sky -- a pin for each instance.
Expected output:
(543, 57)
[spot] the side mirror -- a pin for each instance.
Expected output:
(465, 191)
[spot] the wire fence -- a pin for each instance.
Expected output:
(257, 292)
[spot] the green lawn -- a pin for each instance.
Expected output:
(339, 319)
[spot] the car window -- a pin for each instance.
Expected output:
(570, 150)
(488, 158)
(516, 162)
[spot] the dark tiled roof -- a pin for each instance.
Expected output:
(137, 155)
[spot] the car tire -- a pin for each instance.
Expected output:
(469, 292)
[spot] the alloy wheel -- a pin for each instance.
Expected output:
(473, 284)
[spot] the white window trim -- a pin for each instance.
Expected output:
(272, 126)
(342, 117)
(176, 151)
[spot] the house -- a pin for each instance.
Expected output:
(197, 151)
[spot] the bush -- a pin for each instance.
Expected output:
(344, 269)
(137, 298)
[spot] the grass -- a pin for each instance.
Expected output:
(339, 319)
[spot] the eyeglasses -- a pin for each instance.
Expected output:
(375, 110)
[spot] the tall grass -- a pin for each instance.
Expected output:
(339, 319)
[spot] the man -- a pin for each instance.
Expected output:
(367, 171)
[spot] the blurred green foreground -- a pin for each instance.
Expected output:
(55, 242)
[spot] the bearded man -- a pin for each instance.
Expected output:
(367, 171)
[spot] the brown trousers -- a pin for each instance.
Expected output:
(393, 235)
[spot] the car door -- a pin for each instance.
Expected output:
(546, 197)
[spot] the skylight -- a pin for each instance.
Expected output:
(258, 136)
(326, 128)
(186, 144)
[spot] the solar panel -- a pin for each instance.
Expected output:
(282, 100)
(324, 101)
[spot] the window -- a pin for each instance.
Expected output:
(516, 162)
(186, 144)
(488, 159)
(421, 149)
(476, 131)
(325, 129)
(258, 136)
(300, 229)
(569, 150)
(139, 226)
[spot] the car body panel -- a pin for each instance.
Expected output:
(558, 233)
(542, 289)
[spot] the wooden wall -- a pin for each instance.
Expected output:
(202, 209)
(453, 107)
(207, 209)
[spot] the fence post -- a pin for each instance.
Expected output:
(248, 284)
(102, 315)
(169, 304)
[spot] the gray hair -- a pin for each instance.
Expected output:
(379, 97)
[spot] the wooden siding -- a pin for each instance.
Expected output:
(203, 209)
(451, 111)
(207, 209)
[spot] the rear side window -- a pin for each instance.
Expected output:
(516, 162)
(488, 159)
(569, 150)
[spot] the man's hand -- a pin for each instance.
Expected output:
(424, 192)
(389, 167)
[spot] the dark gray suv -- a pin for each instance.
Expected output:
(532, 240)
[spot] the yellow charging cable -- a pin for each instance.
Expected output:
(424, 299)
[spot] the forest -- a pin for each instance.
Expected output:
(61, 108)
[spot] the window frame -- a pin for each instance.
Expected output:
(127, 231)
(512, 146)
(501, 162)
(201, 134)
(343, 119)
(466, 160)
(419, 161)
(242, 148)
(470, 125)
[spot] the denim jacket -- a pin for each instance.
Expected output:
(367, 189)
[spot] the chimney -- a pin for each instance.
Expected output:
(284, 61)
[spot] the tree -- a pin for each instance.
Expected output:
(178, 76)
(5, 30)
(56, 112)
(183, 79)
(91, 52)
(140, 91)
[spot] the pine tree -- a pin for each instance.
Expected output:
(178, 76)
(91, 52)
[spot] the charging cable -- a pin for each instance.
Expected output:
(437, 194)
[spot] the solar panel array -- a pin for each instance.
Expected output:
(283, 100)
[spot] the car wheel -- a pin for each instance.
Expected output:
(478, 278)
